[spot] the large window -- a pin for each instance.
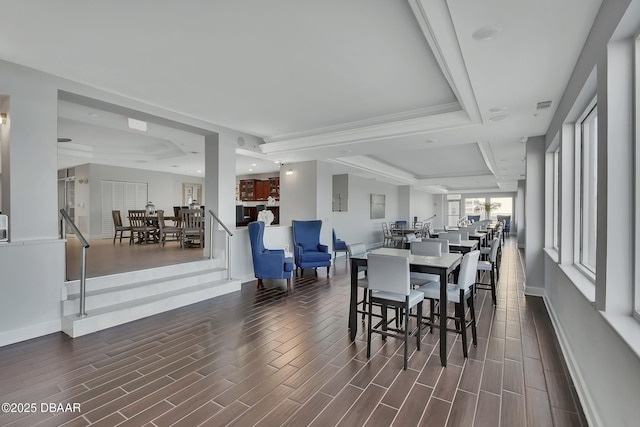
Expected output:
(588, 173)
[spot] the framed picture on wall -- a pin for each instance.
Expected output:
(377, 206)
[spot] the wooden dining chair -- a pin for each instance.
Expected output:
(140, 226)
(165, 231)
(118, 226)
(192, 227)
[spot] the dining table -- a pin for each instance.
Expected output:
(464, 246)
(442, 265)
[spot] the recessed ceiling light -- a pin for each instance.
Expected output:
(137, 124)
(175, 166)
(277, 162)
(430, 140)
(345, 151)
(199, 171)
(253, 164)
(250, 170)
(497, 110)
(486, 33)
(498, 118)
(194, 152)
(141, 161)
(94, 115)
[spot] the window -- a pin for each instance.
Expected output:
(556, 198)
(453, 209)
(474, 206)
(587, 133)
(503, 206)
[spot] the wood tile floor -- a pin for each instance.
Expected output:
(262, 357)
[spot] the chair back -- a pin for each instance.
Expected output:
(468, 269)
(256, 236)
(389, 273)
(450, 236)
(192, 219)
(160, 215)
(356, 249)
(385, 230)
(444, 244)
(333, 233)
(306, 233)
(117, 219)
(411, 237)
(464, 235)
(138, 218)
(427, 248)
(495, 244)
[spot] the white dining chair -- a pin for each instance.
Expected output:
(389, 286)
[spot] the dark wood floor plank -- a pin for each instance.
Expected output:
(513, 411)
(363, 407)
(463, 410)
(412, 410)
(538, 408)
(488, 410)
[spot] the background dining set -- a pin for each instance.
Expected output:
(424, 265)
(185, 226)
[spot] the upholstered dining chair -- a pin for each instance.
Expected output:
(307, 250)
(490, 265)
(389, 286)
(358, 249)
(338, 246)
(268, 263)
(457, 293)
(118, 226)
(427, 247)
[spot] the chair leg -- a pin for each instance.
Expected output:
(328, 267)
(369, 328)
(463, 327)
(260, 284)
(493, 286)
(288, 285)
(419, 338)
(406, 335)
(474, 332)
(364, 304)
(432, 316)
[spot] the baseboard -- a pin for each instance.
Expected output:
(30, 332)
(586, 401)
(535, 291)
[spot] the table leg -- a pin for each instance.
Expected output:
(353, 301)
(443, 318)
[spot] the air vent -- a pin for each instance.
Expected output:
(543, 105)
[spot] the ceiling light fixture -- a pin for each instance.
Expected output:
(497, 110)
(289, 172)
(498, 118)
(430, 140)
(250, 170)
(137, 124)
(486, 33)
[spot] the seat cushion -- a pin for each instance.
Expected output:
(484, 265)
(419, 279)
(315, 257)
(432, 291)
(414, 296)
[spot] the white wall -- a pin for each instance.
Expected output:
(356, 225)
(422, 205)
(164, 190)
(519, 213)
(534, 211)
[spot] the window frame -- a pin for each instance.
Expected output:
(589, 115)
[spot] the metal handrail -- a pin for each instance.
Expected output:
(83, 265)
(228, 244)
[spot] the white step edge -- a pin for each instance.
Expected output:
(118, 294)
(94, 283)
(107, 317)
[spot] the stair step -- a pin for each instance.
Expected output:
(132, 291)
(123, 312)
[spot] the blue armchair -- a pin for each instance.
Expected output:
(268, 263)
(473, 218)
(307, 249)
(339, 245)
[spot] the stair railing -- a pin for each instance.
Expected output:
(83, 265)
(228, 243)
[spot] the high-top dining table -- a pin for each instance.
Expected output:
(442, 266)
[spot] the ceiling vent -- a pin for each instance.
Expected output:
(543, 105)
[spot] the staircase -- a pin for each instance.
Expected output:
(121, 298)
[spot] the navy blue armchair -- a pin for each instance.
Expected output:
(268, 263)
(473, 218)
(507, 224)
(308, 252)
(338, 245)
